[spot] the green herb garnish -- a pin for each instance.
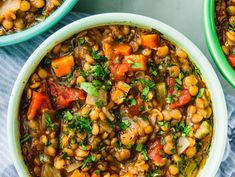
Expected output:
(124, 124)
(26, 138)
(98, 57)
(139, 147)
(88, 160)
(89, 88)
(200, 93)
(130, 101)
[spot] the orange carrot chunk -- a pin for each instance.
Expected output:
(39, 101)
(136, 62)
(77, 173)
(63, 66)
(150, 41)
(123, 49)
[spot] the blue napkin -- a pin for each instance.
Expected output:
(12, 58)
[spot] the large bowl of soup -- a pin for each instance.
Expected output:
(219, 32)
(117, 94)
(21, 20)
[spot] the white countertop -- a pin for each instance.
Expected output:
(183, 15)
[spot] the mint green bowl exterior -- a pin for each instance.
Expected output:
(213, 42)
(41, 27)
(209, 75)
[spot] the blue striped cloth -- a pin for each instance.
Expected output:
(12, 58)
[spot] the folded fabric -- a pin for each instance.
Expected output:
(12, 58)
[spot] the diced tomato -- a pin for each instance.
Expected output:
(154, 153)
(231, 59)
(119, 70)
(39, 102)
(65, 96)
(170, 82)
(136, 62)
(136, 109)
(183, 99)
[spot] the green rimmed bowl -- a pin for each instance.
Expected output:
(213, 42)
(41, 27)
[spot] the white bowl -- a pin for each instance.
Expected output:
(212, 82)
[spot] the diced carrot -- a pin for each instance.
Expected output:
(63, 66)
(123, 49)
(77, 173)
(39, 101)
(154, 153)
(119, 70)
(117, 95)
(137, 62)
(231, 59)
(150, 41)
(123, 86)
(183, 99)
(108, 50)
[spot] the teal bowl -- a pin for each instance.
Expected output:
(213, 43)
(40, 27)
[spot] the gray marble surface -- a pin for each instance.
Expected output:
(183, 15)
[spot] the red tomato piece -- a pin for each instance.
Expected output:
(231, 59)
(154, 153)
(39, 102)
(170, 82)
(64, 95)
(119, 70)
(136, 109)
(183, 99)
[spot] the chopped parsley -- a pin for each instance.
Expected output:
(178, 80)
(145, 153)
(99, 72)
(147, 83)
(183, 128)
(82, 41)
(124, 124)
(139, 147)
(99, 104)
(152, 68)
(130, 101)
(145, 94)
(26, 138)
(48, 121)
(89, 88)
(88, 160)
(98, 57)
(136, 65)
(118, 144)
(173, 151)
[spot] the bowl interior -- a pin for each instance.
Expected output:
(218, 103)
(213, 43)
(39, 28)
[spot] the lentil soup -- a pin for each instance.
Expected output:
(17, 15)
(116, 101)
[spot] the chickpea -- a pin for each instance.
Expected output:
(102, 116)
(193, 90)
(209, 112)
(56, 49)
(199, 103)
(80, 80)
(94, 115)
(191, 141)
(224, 48)
(148, 129)
(43, 139)
(176, 158)
(168, 139)
(42, 73)
(202, 112)
(95, 129)
(37, 161)
(186, 68)
(51, 151)
(127, 139)
(173, 169)
(191, 151)
(163, 51)
(127, 175)
(86, 66)
(65, 141)
(85, 110)
(38, 3)
(230, 36)
(29, 93)
(167, 115)
(174, 71)
(231, 10)
(191, 110)
(107, 174)
(89, 59)
(68, 151)
(24, 6)
(182, 54)
(196, 118)
(105, 135)
(176, 114)
(8, 24)
(190, 81)
(113, 141)
(168, 148)
(146, 52)
(59, 163)
(37, 170)
(124, 154)
(19, 24)
(81, 153)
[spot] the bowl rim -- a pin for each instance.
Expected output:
(40, 27)
(213, 43)
(212, 81)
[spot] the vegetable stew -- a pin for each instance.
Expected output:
(116, 101)
(17, 15)
(225, 24)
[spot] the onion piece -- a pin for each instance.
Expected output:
(49, 171)
(182, 145)
(108, 114)
(102, 96)
(73, 166)
(8, 8)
